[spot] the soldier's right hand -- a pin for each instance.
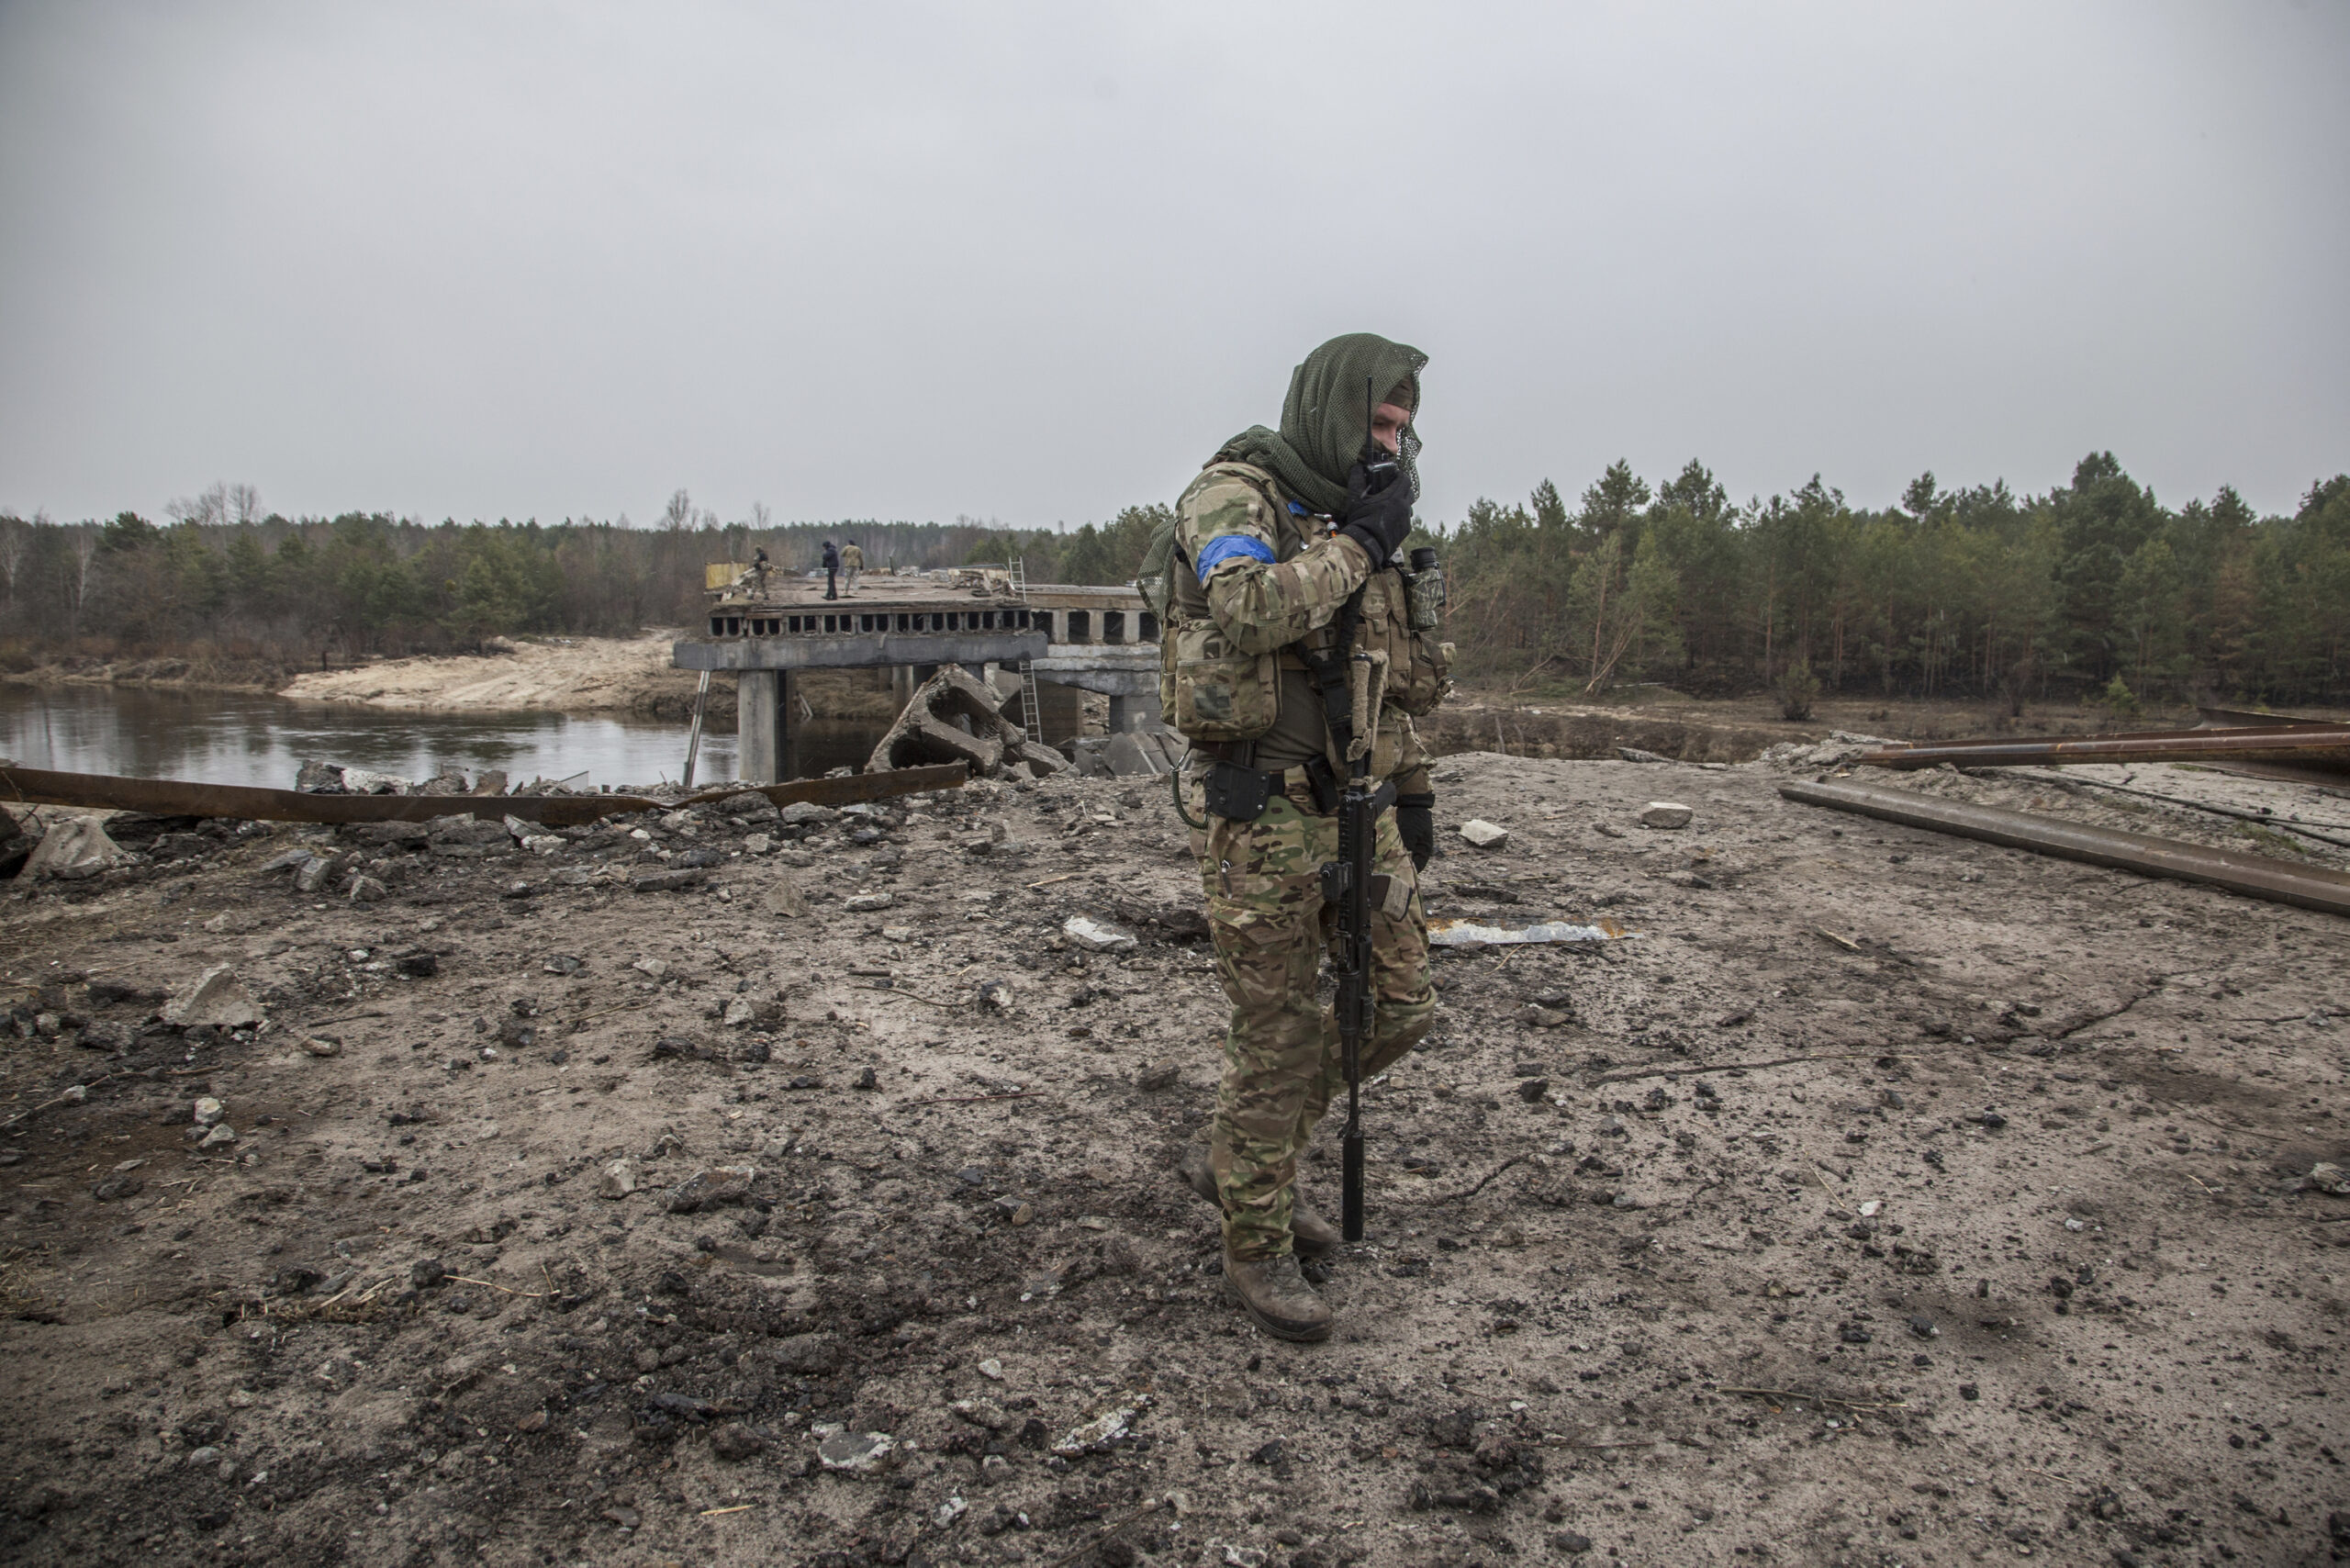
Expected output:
(1379, 512)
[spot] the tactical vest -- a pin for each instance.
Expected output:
(1211, 690)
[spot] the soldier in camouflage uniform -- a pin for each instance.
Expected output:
(1273, 538)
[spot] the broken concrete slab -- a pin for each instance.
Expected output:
(73, 850)
(952, 718)
(218, 998)
(1668, 814)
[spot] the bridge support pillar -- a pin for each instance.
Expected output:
(763, 724)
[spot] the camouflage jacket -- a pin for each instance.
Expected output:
(1263, 568)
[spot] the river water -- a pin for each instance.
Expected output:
(234, 738)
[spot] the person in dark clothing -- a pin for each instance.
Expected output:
(832, 570)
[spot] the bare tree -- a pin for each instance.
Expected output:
(761, 519)
(84, 578)
(244, 504)
(679, 513)
(14, 533)
(209, 508)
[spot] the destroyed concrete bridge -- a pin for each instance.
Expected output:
(1062, 638)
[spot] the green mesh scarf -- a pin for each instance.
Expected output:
(1323, 420)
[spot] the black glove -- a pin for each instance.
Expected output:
(1415, 825)
(1379, 511)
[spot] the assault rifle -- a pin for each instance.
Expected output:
(1345, 881)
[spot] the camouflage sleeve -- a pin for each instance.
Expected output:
(1229, 534)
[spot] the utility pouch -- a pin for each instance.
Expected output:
(1211, 690)
(1236, 793)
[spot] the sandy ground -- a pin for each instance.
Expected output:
(2009, 1265)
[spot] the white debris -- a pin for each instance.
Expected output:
(1468, 934)
(1666, 815)
(361, 781)
(1484, 835)
(1095, 936)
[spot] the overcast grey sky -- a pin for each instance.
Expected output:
(1034, 262)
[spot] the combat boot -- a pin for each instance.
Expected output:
(1272, 1291)
(1313, 1235)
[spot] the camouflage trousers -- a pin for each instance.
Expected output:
(1282, 1065)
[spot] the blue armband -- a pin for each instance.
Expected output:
(1224, 546)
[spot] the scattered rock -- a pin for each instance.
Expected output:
(805, 1353)
(618, 1179)
(417, 963)
(123, 1184)
(2325, 1178)
(664, 881)
(866, 904)
(1533, 1090)
(209, 1112)
(995, 996)
(855, 1453)
(220, 1137)
(1107, 1427)
(102, 1035)
(719, 1185)
(1666, 815)
(735, 1441)
(217, 998)
(981, 1413)
(318, 1046)
(1158, 1075)
(1483, 835)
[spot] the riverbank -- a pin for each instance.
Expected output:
(1880, 1188)
(565, 674)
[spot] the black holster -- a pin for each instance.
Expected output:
(1236, 793)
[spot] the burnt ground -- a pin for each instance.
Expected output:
(2011, 1265)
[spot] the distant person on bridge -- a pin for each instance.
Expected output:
(853, 563)
(832, 570)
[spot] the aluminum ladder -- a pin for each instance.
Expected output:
(1030, 710)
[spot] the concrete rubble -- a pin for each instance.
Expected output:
(955, 717)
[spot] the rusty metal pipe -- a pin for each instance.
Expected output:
(2325, 746)
(2255, 876)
